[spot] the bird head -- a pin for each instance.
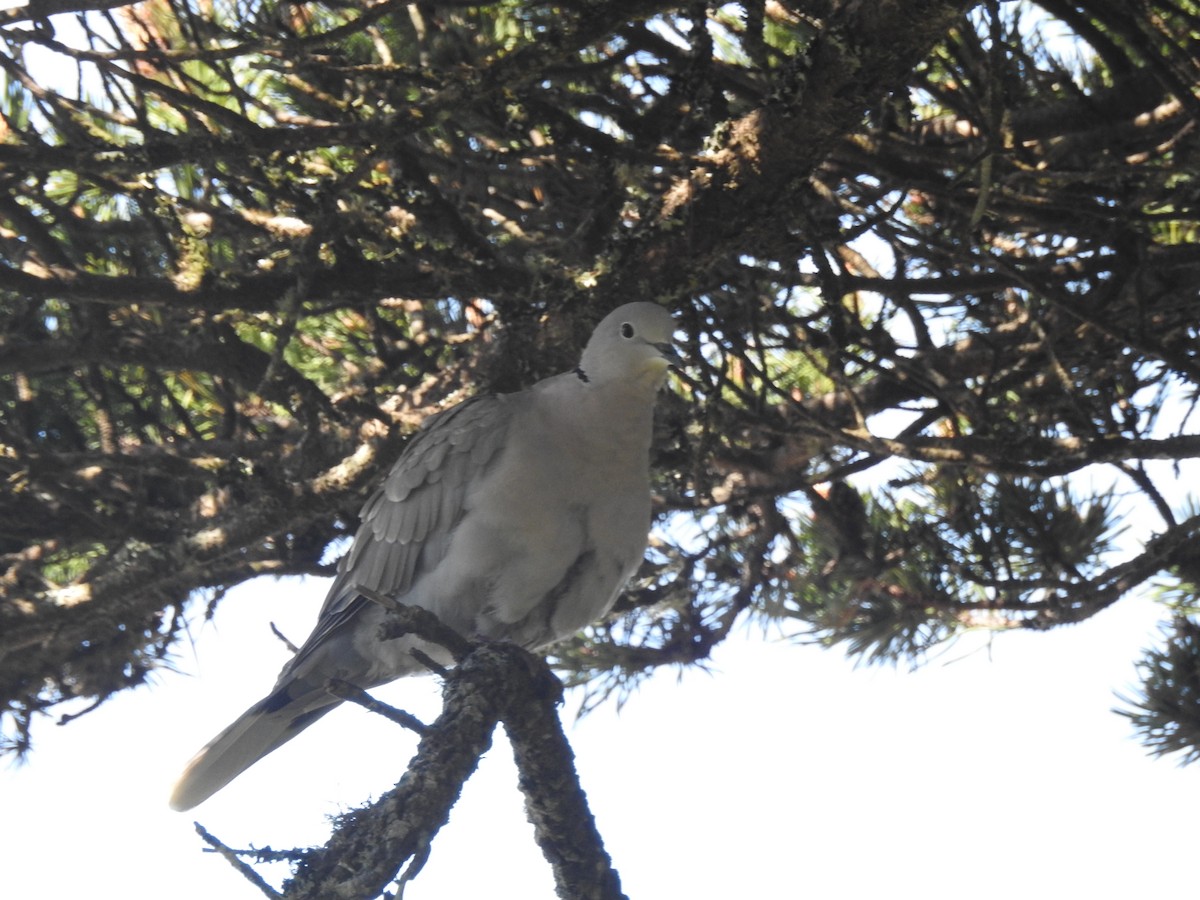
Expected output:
(631, 344)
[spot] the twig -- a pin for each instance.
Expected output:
(429, 662)
(344, 690)
(230, 855)
(405, 620)
(279, 634)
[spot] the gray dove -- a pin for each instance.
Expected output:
(513, 517)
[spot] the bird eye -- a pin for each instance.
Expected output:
(626, 330)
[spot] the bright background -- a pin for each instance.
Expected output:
(994, 771)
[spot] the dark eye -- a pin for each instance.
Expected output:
(626, 330)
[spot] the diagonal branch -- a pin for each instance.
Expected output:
(492, 683)
(731, 199)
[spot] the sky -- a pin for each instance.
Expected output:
(997, 769)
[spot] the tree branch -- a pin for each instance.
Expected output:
(492, 683)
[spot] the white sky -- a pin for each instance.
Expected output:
(785, 773)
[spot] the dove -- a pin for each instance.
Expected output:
(516, 517)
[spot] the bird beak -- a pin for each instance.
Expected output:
(670, 354)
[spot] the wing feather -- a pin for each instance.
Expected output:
(406, 524)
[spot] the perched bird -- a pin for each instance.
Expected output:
(511, 516)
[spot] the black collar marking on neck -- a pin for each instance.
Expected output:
(582, 375)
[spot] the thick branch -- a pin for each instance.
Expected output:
(369, 846)
(34, 10)
(1176, 544)
(556, 804)
(738, 198)
(493, 682)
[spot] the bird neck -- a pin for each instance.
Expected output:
(623, 409)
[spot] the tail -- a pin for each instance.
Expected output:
(264, 727)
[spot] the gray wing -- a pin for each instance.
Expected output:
(407, 523)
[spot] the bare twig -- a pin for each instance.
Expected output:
(231, 856)
(352, 693)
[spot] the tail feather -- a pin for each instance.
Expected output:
(261, 729)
